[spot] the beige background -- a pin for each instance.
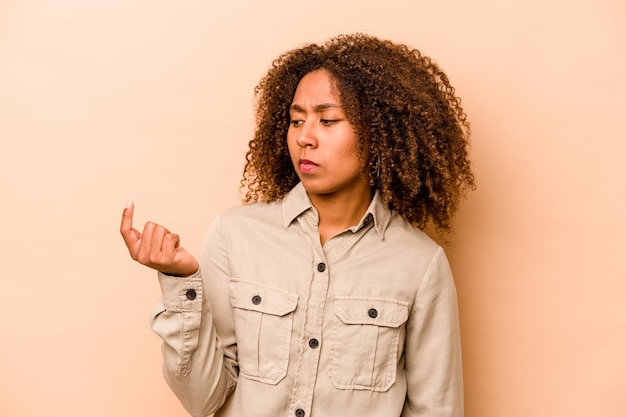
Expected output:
(102, 101)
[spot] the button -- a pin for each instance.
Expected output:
(314, 343)
(321, 267)
(256, 300)
(191, 294)
(373, 313)
(300, 412)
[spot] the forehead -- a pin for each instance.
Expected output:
(316, 87)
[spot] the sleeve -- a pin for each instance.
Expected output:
(199, 363)
(433, 347)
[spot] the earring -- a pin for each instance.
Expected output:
(375, 170)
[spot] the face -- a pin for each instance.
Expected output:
(321, 141)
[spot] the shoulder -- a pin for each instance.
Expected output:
(412, 247)
(242, 223)
(403, 233)
(245, 219)
(259, 211)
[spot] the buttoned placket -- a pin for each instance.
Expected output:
(312, 341)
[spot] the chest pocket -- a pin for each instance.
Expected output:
(366, 337)
(263, 326)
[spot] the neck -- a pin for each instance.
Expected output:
(339, 212)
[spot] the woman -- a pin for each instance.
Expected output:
(321, 295)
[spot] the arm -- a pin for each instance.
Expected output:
(193, 358)
(199, 348)
(433, 347)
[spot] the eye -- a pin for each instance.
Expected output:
(296, 123)
(328, 122)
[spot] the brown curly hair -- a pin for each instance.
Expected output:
(403, 110)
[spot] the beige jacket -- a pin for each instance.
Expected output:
(275, 325)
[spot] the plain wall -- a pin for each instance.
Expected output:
(103, 101)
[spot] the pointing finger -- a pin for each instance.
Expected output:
(127, 217)
(130, 235)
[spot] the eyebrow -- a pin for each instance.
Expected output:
(318, 109)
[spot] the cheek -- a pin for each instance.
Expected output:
(349, 153)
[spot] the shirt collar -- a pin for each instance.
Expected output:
(296, 202)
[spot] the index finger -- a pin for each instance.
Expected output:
(127, 217)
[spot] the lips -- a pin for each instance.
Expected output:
(306, 166)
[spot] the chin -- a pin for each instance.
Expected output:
(318, 189)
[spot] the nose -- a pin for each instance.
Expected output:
(306, 136)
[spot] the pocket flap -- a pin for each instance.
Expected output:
(371, 310)
(249, 295)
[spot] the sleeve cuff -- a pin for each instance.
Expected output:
(182, 294)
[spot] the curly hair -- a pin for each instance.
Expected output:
(404, 113)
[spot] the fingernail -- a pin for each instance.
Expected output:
(129, 203)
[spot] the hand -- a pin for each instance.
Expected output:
(156, 247)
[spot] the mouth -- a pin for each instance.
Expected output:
(305, 166)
